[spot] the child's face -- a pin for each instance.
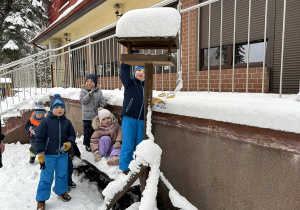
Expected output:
(106, 122)
(39, 116)
(90, 83)
(140, 74)
(58, 111)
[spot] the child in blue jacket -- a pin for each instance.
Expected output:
(53, 138)
(132, 112)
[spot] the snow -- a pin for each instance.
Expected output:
(19, 181)
(15, 19)
(176, 199)
(256, 109)
(37, 3)
(11, 45)
(147, 23)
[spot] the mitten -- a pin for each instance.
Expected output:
(117, 145)
(41, 159)
(67, 145)
(97, 156)
(92, 91)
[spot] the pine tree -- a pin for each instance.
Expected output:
(20, 21)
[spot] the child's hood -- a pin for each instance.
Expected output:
(97, 125)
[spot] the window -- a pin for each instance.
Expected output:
(256, 55)
(215, 56)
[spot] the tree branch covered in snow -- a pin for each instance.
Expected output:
(19, 22)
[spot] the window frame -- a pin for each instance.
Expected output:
(229, 59)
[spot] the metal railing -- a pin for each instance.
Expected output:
(25, 77)
(67, 67)
(190, 42)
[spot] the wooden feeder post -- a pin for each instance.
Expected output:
(149, 61)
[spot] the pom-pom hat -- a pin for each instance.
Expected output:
(57, 101)
(39, 108)
(103, 113)
(93, 77)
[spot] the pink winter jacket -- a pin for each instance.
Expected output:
(114, 132)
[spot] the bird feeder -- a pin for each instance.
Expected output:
(150, 28)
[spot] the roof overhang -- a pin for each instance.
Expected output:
(83, 8)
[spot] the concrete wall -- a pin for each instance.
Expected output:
(221, 168)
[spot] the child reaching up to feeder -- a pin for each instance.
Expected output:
(107, 137)
(133, 113)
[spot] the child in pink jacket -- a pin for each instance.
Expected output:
(107, 137)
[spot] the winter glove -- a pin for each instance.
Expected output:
(97, 156)
(31, 129)
(159, 103)
(41, 159)
(92, 91)
(117, 145)
(67, 145)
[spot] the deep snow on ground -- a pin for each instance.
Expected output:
(19, 180)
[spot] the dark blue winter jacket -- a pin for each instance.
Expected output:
(52, 132)
(133, 104)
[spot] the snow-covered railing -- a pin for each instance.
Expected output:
(25, 75)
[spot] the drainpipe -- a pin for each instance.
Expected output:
(38, 46)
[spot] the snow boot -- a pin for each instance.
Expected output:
(32, 159)
(40, 205)
(125, 172)
(113, 161)
(72, 185)
(64, 197)
(68, 189)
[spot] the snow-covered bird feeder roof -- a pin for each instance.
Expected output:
(155, 28)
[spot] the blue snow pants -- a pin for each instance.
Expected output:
(59, 164)
(133, 133)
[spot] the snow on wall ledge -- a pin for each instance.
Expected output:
(253, 109)
(149, 22)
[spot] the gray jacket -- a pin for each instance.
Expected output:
(91, 103)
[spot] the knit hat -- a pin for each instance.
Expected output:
(102, 113)
(93, 77)
(39, 108)
(57, 101)
(137, 68)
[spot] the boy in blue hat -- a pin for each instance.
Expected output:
(54, 136)
(132, 112)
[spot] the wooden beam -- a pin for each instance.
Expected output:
(155, 60)
(131, 180)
